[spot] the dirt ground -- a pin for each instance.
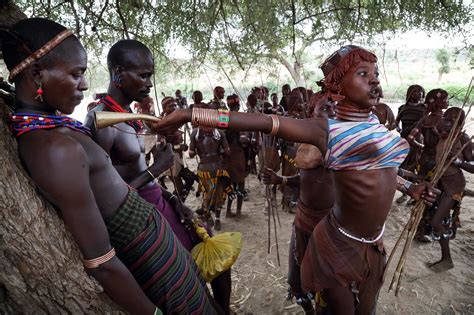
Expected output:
(259, 284)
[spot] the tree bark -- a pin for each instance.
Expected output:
(41, 268)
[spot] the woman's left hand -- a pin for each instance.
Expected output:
(424, 191)
(170, 123)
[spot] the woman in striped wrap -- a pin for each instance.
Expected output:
(364, 171)
(47, 64)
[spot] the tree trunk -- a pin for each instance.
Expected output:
(293, 68)
(40, 265)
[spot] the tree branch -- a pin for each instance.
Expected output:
(231, 44)
(293, 19)
(99, 18)
(334, 9)
(122, 19)
(76, 18)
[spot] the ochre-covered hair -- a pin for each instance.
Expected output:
(336, 66)
(435, 99)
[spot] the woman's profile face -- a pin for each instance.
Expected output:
(361, 85)
(63, 81)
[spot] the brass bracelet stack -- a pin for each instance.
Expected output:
(210, 118)
(205, 117)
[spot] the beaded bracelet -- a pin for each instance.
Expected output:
(223, 118)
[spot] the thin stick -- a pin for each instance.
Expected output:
(273, 195)
(233, 86)
(268, 221)
(276, 236)
(269, 201)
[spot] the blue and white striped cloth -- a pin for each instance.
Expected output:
(363, 145)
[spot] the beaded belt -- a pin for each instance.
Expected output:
(361, 239)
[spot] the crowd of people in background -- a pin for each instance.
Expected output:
(329, 151)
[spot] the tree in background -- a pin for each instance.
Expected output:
(471, 57)
(40, 266)
(442, 56)
(246, 31)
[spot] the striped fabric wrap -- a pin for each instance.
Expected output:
(364, 145)
(215, 186)
(162, 267)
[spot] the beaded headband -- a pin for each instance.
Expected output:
(46, 48)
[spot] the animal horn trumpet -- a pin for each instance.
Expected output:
(106, 119)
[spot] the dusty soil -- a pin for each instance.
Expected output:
(259, 284)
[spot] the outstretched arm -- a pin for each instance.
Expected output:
(312, 131)
(63, 177)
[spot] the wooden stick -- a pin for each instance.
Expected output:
(276, 236)
(268, 221)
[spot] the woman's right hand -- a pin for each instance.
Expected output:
(163, 156)
(170, 123)
(269, 177)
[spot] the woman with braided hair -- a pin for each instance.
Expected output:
(345, 256)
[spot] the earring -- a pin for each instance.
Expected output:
(117, 81)
(39, 92)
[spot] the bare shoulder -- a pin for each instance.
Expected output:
(50, 151)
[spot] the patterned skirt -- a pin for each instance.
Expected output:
(162, 267)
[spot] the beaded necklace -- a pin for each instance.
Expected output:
(115, 107)
(21, 123)
(350, 113)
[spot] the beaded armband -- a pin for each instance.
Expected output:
(223, 118)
